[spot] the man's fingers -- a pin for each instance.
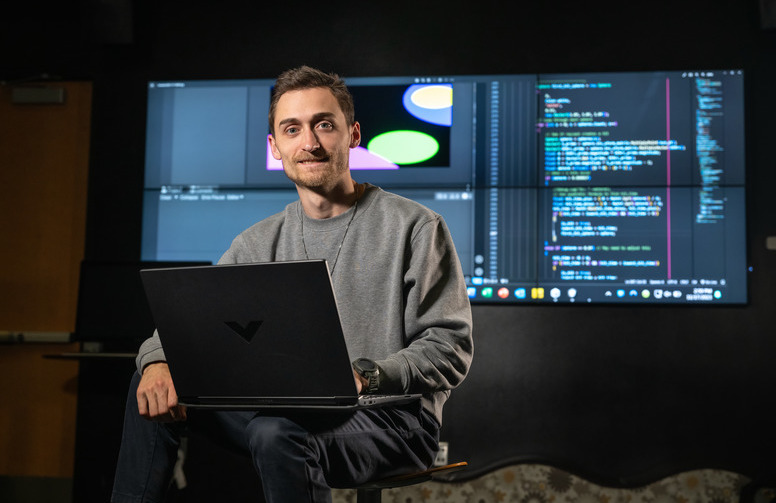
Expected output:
(171, 397)
(142, 404)
(160, 404)
(156, 395)
(153, 402)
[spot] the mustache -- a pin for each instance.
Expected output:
(308, 158)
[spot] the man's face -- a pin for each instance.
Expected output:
(312, 138)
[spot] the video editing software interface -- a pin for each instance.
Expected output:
(624, 187)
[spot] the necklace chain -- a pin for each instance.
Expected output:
(339, 248)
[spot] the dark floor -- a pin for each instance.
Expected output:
(35, 489)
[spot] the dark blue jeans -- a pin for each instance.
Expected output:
(299, 456)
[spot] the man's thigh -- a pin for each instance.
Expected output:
(225, 428)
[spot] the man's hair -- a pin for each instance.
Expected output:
(306, 77)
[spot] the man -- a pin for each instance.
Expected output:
(403, 306)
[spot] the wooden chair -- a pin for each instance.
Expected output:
(372, 492)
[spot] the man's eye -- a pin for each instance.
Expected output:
(326, 125)
(291, 130)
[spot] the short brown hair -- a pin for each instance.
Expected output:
(306, 77)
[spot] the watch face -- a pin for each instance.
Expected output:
(366, 365)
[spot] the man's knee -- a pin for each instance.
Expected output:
(272, 434)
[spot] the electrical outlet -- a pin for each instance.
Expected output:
(441, 458)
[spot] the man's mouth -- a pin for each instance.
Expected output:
(313, 160)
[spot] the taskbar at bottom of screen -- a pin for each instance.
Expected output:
(599, 294)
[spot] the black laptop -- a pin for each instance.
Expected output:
(252, 336)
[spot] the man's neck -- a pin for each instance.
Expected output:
(329, 203)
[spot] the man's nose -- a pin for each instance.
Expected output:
(310, 141)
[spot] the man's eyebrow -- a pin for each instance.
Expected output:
(323, 115)
(290, 120)
(316, 117)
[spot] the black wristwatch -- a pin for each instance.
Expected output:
(369, 370)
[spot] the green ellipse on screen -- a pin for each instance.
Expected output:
(404, 147)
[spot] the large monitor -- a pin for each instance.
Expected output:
(623, 187)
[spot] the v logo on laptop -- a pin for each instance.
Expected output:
(248, 331)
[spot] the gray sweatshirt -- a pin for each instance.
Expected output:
(398, 282)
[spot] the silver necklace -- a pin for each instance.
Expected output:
(339, 248)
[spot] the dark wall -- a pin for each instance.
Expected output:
(625, 394)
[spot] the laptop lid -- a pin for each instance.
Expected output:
(112, 305)
(253, 335)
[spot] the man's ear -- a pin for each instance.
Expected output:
(274, 148)
(355, 135)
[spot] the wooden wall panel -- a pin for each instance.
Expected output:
(37, 411)
(44, 161)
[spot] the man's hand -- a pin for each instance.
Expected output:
(156, 396)
(361, 382)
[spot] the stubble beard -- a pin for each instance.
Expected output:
(320, 179)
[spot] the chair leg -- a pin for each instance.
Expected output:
(369, 496)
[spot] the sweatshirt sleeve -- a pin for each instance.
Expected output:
(438, 319)
(150, 351)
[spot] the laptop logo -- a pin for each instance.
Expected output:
(246, 332)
